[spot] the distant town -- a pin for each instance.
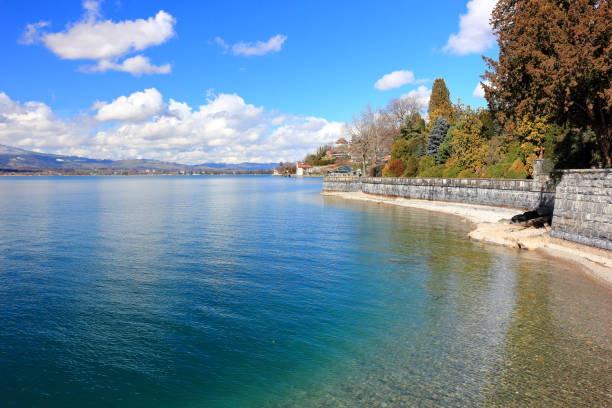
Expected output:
(337, 158)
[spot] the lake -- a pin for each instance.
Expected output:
(260, 292)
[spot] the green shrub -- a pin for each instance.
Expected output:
(466, 173)
(496, 171)
(451, 172)
(517, 170)
(417, 146)
(412, 167)
(400, 150)
(433, 172)
(425, 163)
(514, 153)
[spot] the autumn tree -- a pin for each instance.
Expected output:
(468, 143)
(395, 168)
(555, 62)
(439, 102)
(532, 132)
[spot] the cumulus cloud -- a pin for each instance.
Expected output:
(257, 48)
(33, 125)
(475, 33)
(421, 95)
(394, 80)
(136, 66)
(224, 128)
(106, 41)
(138, 106)
(479, 90)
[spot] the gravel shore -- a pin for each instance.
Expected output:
(492, 225)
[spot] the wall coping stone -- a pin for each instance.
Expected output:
(485, 183)
(582, 171)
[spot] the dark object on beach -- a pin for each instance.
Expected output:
(524, 217)
(536, 218)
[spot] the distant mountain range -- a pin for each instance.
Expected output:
(14, 159)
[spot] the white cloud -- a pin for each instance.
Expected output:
(221, 43)
(474, 30)
(224, 128)
(136, 65)
(421, 94)
(257, 48)
(479, 91)
(92, 9)
(106, 41)
(33, 125)
(138, 106)
(394, 80)
(100, 40)
(33, 32)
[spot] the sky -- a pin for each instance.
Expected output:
(198, 81)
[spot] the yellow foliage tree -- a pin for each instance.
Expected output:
(532, 132)
(469, 145)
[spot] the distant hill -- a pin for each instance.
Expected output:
(12, 158)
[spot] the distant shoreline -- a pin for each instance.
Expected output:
(132, 175)
(491, 225)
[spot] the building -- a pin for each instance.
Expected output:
(340, 150)
(302, 169)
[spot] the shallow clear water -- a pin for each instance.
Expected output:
(258, 291)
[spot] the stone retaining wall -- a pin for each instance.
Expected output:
(519, 194)
(581, 199)
(583, 208)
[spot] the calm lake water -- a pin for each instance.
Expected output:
(260, 292)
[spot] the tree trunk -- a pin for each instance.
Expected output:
(603, 140)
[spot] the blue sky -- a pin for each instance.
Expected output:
(233, 81)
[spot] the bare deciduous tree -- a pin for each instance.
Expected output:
(371, 136)
(399, 109)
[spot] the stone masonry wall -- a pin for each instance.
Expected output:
(582, 199)
(583, 208)
(520, 194)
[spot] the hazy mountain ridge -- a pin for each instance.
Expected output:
(12, 158)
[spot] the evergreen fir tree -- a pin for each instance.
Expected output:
(437, 135)
(413, 127)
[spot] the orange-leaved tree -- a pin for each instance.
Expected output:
(554, 61)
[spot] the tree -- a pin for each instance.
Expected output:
(412, 127)
(439, 102)
(554, 61)
(399, 110)
(412, 167)
(359, 132)
(469, 146)
(445, 150)
(403, 149)
(400, 150)
(371, 137)
(437, 135)
(395, 168)
(532, 132)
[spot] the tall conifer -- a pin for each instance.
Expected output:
(437, 135)
(439, 102)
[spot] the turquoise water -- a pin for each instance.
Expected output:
(260, 292)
